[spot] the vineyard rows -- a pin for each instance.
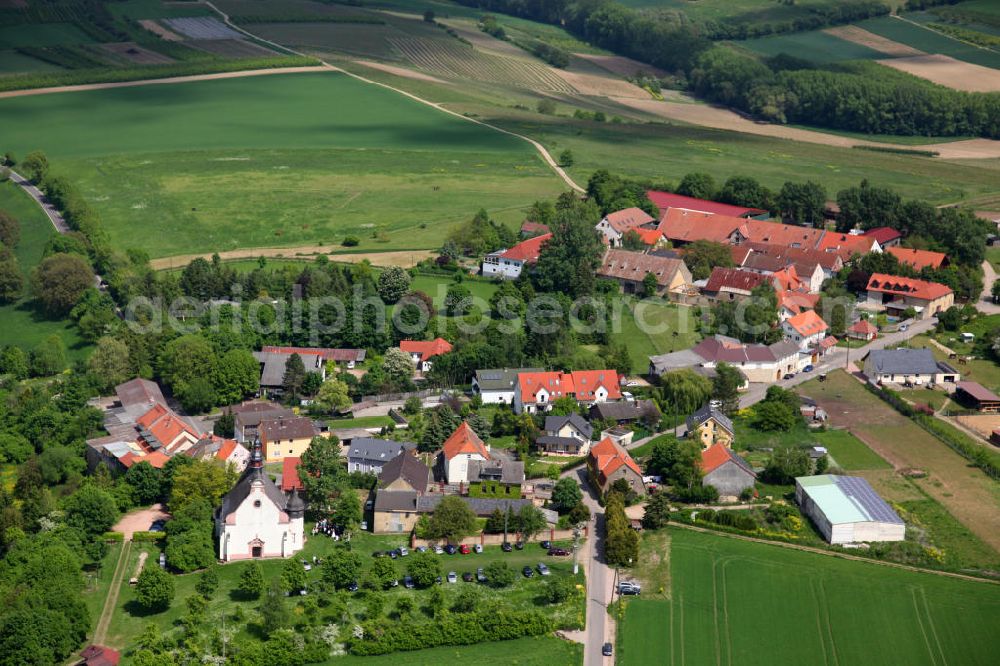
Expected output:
(466, 62)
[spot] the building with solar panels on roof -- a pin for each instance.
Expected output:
(847, 510)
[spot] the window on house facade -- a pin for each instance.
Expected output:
(256, 504)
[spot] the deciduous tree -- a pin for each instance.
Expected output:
(59, 282)
(154, 589)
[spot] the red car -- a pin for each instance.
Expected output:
(465, 549)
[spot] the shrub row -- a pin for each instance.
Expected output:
(383, 636)
(117, 75)
(149, 537)
(899, 151)
(494, 489)
(726, 518)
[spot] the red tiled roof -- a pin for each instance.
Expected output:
(555, 383)
(157, 459)
(464, 441)
(733, 278)
(649, 236)
(919, 259)
(686, 226)
(864, 327)
(921, 289)
(290, 474)
(426, 348)
(666, 200)
(585, 382)
(787, 279)
(165, 425)
(714, 457)
(785, 235)
(633, 266)
(527, 250)
(795, 255)
(846, 245)
(828, 342)
(607, 457)
(629, 218)
(883, 235)
(797, 301)
(807, 323)
(529, 227)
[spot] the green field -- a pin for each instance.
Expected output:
(668, 328)
(436, 286)
(814, 45)
(726, 595)
(281, 160)
(929, 41)
(42, 34)
(849, 452)
(20, 323)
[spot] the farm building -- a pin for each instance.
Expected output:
(725, 471)
(919, 259)
(629, 269)
(509, 263)
(886, 237)
(908, 366)
(898, 294)
(847, 510)
(977, 396)
(422, 351)
(665, 201)
(615, 225)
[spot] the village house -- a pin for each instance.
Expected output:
(405, 472)
(247, 418)
(397, 512)
(725, 471)
(273, 361)
(460, 449)
(758, 363)
(886, 237)
(807, 329)
(614, 226)
(608, 462)
(626, 412)
(256, 519)
(847, 245)
(898, 294)
(402, 480)
(791, 303)
(810, 275)
(566, 435)
(731, 284)
(804, 259)
(226, 451)
(422, 351)
(367, 455)
(919, 259)
(914, 367)
(629, 269)
(496, 386)
(862, 329)
(665, 201)
(510, 263)
(285, 436)
(536, 391)
(710, 426)
(344, 358)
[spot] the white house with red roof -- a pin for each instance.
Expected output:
(460, 449)
(226, 451)
(609, 462)
(509, 263)
(615, 225)
(535, 392)
(862, 329)
(423, 351)
(898, 294)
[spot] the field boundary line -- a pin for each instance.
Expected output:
(944, 34)
(843, 556)
(819, 621)
(923, 630)
(104, 622)
(930, 623)
(546, 157)
(825, 609)
(171, 79)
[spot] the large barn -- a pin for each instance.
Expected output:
(847, 510)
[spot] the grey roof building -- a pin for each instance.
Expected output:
(247, 418)
(509, 472)
(368, 454)
(899, 366)
(708, 412)
(496, 385)
(272, 367)
(554, 424)
(623, 412)
(846, 509)
(405, 472)
(481, 506)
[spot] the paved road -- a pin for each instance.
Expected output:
(55, 217)
(986, 303)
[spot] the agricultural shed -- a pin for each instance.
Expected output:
(847, 510)
(978, 396)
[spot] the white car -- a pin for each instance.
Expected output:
(403, 552)
(452, 577)
(438, 550)
(543, 570)
(477, 548)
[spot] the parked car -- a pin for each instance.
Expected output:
(506, 547)
(808, 368)
(903, 328)
(607, 650)
(307, 566)
(394, 583)
(467, 577)
(158, 526)
(519, 545)
(438, 580)
(403, 552)
(379, 553)
(408, 582)
(439, 550)
(789, 376)
(452, 577)
(628, 588)
(421, 549)
(477, 548)
(717, 404)
(363, 526)
(561, 552)
(528, 572)
(450, 549)
(543, 570)
(352, 586)
(546, 544)
(465, 549)
(480, 576)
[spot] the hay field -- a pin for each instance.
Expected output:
(948, 71)
(726, 594)
(282, 160)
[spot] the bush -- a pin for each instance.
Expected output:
(350, 241)
(498, 574)
(148, 537)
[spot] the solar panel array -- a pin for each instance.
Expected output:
(862, 494)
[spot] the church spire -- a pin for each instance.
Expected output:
(256, 458)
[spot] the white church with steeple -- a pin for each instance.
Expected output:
(256, 519)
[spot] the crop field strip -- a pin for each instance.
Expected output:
(726, 593)
(454, 60)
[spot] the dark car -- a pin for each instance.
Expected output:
(789, 376)
(528, 572)
(352, 586)
(438, 580)
(450, 549)
(546, 544)
(408, 582)
(629, 589)
(393, 554)
(157, 526)
(607, 650)
(506, 547)
(378, 553)
(468, 577)
(808, 368)
(561, 552)
(519, 545)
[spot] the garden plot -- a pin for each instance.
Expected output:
(134, 53)
(231, 48)
(455, 60)
(202, 27)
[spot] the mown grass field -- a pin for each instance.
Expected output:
(726, 594)
(651, 328)
(20, 322)
(282, 160)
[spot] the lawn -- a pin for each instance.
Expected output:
(360, 422)
(726, 594)
(849, 452)
(98, 585)
(967, 494)
(22, 323)
(281, 160)
(129, 620)
(648, 328)
(436, 286)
